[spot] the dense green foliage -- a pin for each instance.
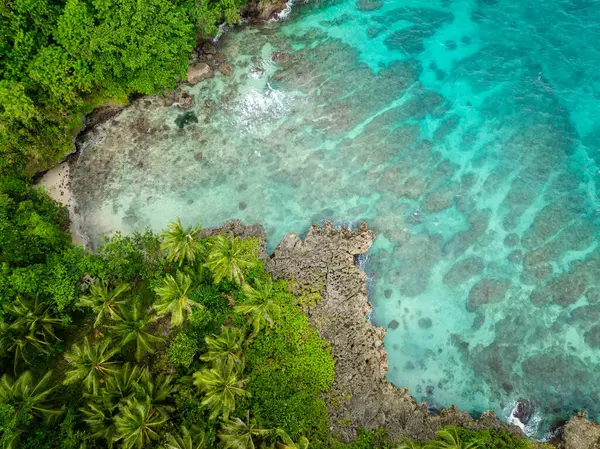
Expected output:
(59, 59)
(167, 340)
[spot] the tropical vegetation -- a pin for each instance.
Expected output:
(59, 59)
(157, 340)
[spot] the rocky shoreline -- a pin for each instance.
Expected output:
(325, 276)
(205, 61)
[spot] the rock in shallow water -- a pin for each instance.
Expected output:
(524, 411)
(487, 291)
(226, 69)
(463, 270)
(425, 323)
(197, 72)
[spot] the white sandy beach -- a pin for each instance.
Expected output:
(57, 182)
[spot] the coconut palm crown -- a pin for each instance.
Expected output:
(174, 298)
(138, 423)
(260, 305)
(104, 300)
(229, 259)
(28, 396)
(32, 328)
(221, 384)
(90, 364)
(449, 439)
(187, 439)
(238, 434)
(226, 345)
(134, 328)
(182, 244)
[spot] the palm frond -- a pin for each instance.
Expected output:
(182, 244)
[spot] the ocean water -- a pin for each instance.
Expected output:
(467, 134)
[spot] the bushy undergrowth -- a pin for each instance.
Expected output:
(154, 338)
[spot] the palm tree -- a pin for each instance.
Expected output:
(449, 439)
(260, 305)
(238, 434)
(123, 383)
(288, 443)
(104, 301)
(228, 258)
(187, 440)
(137, 423)
(221, 384)
(31, 328)
(182, 244)
(90, 364)
(157, 389)
(227, 345)
(134, 327)
(28, 396)
(101, 422)
(102, 408)
(174, 298)
(408, 444)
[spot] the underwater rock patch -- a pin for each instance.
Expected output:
(185, 119)
(425, 323)
(487, 291)
(511, 240)
(592, 295)
(592, 337)
(369, 5)
(416, 258)
(441, 199)
(516, 256)
(463, 270)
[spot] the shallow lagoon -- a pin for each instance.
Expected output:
(467, 133)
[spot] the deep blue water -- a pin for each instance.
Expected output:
(467, 133)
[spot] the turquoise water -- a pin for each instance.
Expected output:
(467, 133)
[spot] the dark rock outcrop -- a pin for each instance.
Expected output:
(524, 411)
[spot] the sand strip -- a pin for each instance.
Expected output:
(57, 183)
